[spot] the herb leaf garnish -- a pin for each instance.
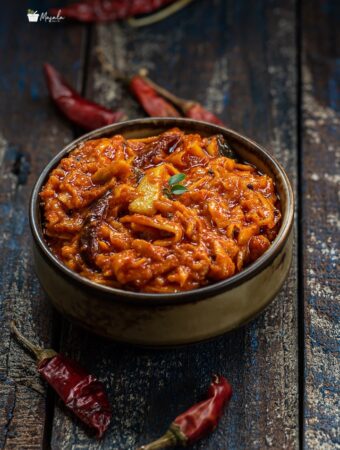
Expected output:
(178, 189)
(176, 179)
(173, 187)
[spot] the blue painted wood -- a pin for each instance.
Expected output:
(248, 77)
(237, 58)
(320, 227)
(30, 133)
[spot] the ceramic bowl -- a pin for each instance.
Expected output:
(177, 318)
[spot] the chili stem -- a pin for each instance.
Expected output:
(35, 349)
(167, 440)
(39, 352)
(159, 15)
(177, 101)
(116, 74)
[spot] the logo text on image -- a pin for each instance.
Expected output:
(34, 16)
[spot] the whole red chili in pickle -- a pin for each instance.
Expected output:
(87, 114)
(108, 10)
(191, 109)
(82, 393)
(199, 420)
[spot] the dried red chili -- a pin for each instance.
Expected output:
(108, 10)
(152, 96)
(82, 393)
(196, 111)
(191, 109)
(87, 114)
(153, 104)
(199, 420)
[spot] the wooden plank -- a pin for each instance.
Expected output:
(30, 133)
(320, 226)
(238, 58)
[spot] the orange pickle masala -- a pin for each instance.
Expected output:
(113, 214)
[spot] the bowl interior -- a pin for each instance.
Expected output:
(245, 148)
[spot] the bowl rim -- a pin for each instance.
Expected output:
(162, 299)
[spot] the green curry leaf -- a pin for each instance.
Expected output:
(176, 179)
(173, 187)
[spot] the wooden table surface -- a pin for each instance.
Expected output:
(271, 70)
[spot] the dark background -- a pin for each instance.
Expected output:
(270, 69)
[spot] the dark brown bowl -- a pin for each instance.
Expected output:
(176, 318)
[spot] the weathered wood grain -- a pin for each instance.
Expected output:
(30, 133)
(238, 58)
(320, 226)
